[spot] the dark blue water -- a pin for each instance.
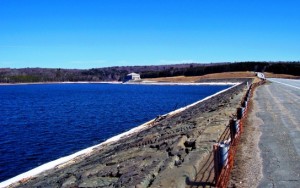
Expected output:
(40, 123)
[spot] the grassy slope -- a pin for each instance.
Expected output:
(216, 76)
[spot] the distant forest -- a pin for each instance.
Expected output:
(8, 75)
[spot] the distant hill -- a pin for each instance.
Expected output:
(8, 75)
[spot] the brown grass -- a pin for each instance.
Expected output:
(271, 75)
(224, 75)
(207, 76)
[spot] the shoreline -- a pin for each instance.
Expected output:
(41, 83)
(67, 159)
(126, 83)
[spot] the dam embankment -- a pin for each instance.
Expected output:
(166, 154)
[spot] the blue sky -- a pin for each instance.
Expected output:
(101, 33)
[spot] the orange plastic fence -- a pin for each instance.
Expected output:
(222, 176)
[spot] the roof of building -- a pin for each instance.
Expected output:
(133, 74)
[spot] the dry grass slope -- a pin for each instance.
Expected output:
(225, 75)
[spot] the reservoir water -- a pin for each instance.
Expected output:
(43, 122)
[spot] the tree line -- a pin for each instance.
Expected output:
(291, 68)
(8, 75)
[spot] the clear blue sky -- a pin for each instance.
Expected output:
(101, 33)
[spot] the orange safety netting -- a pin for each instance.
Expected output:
(222, 175)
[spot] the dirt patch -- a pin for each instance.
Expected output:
(247, 170)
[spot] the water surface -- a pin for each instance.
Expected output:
(40, 123)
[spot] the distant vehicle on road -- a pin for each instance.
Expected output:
(260, 75)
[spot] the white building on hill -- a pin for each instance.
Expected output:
(132, 77)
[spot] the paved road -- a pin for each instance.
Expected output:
(279, 108)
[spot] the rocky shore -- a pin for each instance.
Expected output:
(167, 154)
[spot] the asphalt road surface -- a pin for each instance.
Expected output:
(279, 108)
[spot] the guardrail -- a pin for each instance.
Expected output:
(225, 151)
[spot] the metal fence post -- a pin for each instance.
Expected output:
(216, 162)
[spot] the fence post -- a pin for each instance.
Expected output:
(244, 104)
(221, 160)
(234, 128)
(223, 152)
(240, 112)
(216, 162)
